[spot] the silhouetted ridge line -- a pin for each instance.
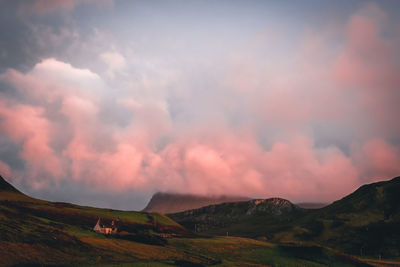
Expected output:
(5, 186)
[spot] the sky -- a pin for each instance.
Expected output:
(104, 103)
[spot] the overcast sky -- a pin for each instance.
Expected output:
(103, 103)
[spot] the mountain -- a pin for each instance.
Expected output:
(272, 232)
(240, 218)
(34, 232)
(366, 222)
(172, 202)
(6, 187)
(382, 198)
(9, 192)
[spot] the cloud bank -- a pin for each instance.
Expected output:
(311, 124)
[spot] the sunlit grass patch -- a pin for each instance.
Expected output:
(128, 216)
(163, 219)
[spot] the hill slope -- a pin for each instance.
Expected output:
(6, 187)
(9, 192)
(366, 222)
(223, 216)
(40, 233)
(171, 203)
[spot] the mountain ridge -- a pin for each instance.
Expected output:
(52, 233)
(6, 186)
(221, 215)
(365, 222)
(42, 233)
(164, 202)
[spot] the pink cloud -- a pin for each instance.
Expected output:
(28, 126)
(295, 170)
(212, 161)
(377, 159)
(5, 170)
(383, 157)
(368, 59)
(256, 137)
(369, 65)
(298, 170)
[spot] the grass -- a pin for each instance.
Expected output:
(365, 223)
(34, 233)
(244, 251)
(163, 219)
(129, 216)
(45, 233)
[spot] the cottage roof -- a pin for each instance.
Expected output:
(104, 224)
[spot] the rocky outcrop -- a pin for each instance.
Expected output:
(224, 214)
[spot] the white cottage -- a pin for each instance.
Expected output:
(105, 229)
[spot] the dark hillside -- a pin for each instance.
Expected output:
(41, 233)
(382, 197)
(364, 223)
(246, 218)
(6, 187)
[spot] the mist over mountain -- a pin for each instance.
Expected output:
(162, 202)
(127, 99)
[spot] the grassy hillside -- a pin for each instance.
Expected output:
(252, 218)
(365, 223)
(36, 231)
(40, 233)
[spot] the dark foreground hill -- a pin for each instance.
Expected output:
(173, 202)
(41, 233)
(365, 223)
(6, 187)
